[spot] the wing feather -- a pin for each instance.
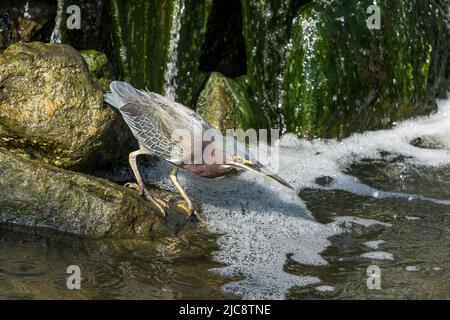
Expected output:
(153, 118)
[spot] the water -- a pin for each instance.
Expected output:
(56, 36)
(170, 85)
(380, 198)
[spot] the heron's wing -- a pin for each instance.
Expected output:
(151, 133)
(154, 119)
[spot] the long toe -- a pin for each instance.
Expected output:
(191, 211)
(197, 215)
(135, 186)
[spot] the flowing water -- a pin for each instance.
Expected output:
(379, 198)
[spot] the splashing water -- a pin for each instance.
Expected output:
(27, 13)
(263, 225)
(170, 85)
(56, 36)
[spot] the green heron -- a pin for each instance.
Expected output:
(153, 119)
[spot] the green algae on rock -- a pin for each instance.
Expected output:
(342, 77)
(226, 103)
(266, 28)
(51, 109)
(158, 44)
(99, 67)
(41, 195)
(324, 73)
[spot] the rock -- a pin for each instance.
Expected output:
(51, 109)
(40, 195)
(158, 44)
(225, 103)
(5, 29)
(30, 20)
(319, 68)
(266, 28)
(99, 67)
(342, 77)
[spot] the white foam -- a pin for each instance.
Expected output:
(374, 244)
(378, 255)
(325, 288)
(263, 223)
(348, 221)
(436, 268)
(412, 268)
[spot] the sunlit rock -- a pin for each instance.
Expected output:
(51, 109)
(225, 103)
(41, 195)
(99, 67)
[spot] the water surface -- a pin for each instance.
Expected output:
(379, 198)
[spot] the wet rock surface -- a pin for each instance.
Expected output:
(342, 77)
(225, 103)
(319, 70)
(99, 66)
(41, 195)
(51, 109)
(27, 21)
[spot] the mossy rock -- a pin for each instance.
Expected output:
(51, 109)
(41, 195)
(226, 103)
(342, 77)
(99, 67)
(322, 72)
(266, 29)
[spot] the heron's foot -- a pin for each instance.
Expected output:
(190, 210)
(159, 203)
(134, 186)
(143, 191)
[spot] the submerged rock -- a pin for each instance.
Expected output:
(225, 103)
(40, 195)
(158, 44)
(51, 109)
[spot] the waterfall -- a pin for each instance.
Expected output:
(56, 34)
(26, 13)
(171, 74)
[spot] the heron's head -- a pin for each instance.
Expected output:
(239, 162)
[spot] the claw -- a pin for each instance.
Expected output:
(190, 211)
(159, 203)
(135, 186)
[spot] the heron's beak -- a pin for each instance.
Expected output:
(262, 170)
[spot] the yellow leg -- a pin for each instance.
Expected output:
(140, 186)
(190, 207)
